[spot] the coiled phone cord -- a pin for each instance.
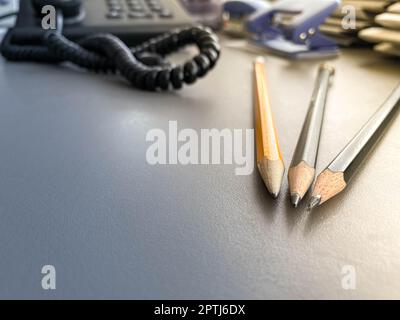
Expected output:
(107, 53)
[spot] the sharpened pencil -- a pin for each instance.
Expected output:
(269, 156)
(302, 169)
(337, 175)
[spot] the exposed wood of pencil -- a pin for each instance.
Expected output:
(328, 185)
(269, 156)
(300, 178)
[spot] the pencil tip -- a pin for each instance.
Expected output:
(295, 199)
(272, 172)
(314, 202)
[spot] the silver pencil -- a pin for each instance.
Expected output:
(337, 175)
(302, 169)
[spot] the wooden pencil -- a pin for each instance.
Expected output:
(337, 175)
(269, 156)
(302, 169)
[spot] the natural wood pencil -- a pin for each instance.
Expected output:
(337, 175)
(302, 169)
(269, 156)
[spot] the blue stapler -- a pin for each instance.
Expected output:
(290, 28)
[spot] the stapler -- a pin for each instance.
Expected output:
(290, 28)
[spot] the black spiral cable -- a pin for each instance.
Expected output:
(107, 53)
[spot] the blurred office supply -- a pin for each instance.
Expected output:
(235, 13)
(290, 28)
(345, 31)
(386, 34)
(206, 12)
(394, 8)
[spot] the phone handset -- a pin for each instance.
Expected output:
(143, 66)
(69, 8)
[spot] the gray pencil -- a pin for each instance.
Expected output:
(337, 175)
(302, 170)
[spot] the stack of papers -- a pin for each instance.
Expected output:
(387, 31)
(342, 26)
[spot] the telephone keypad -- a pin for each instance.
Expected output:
(137, 9)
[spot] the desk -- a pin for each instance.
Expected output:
(76, 191)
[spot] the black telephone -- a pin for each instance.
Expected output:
(96, 35)
(133, 21)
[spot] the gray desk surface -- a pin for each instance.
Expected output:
(77, 193)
